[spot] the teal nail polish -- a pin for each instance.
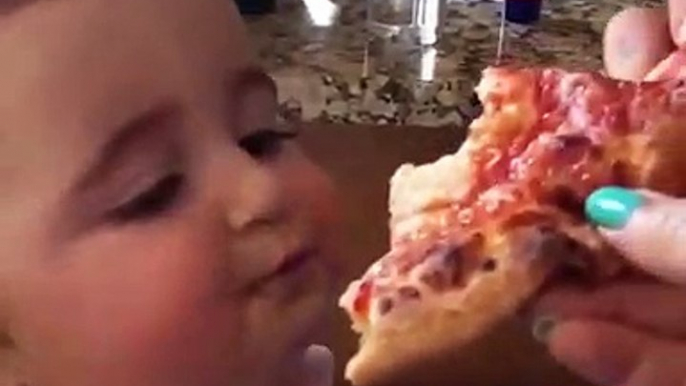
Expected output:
(543, 326)
(612, 207)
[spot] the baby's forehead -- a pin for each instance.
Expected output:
(71, 70)
(64, 62)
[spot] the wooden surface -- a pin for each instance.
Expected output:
(361, 159)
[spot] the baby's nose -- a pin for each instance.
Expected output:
(257, 200)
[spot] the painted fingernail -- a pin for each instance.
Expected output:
(542, 328)
(612, 207)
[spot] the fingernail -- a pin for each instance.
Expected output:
(542, 328)
(612, 207)
(320, 365)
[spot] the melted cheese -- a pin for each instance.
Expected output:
(494, 197)
(419, 193)
(417, 189)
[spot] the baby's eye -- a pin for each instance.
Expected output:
(265, 143)
(154, 201)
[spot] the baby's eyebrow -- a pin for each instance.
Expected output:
(114, 148)
(9, 7)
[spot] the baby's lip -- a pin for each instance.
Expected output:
(289, 267)
(293, 261)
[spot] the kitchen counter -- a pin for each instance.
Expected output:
(329, 70)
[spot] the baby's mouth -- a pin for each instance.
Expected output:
(293, 277)
(293, 262)
(293, 297)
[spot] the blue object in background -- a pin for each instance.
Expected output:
(523, 11)
(256, 7)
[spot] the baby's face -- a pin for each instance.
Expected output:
(157, 226)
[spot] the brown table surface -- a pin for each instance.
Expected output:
(361, 159)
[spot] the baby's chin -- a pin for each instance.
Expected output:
(292, 313)
(286, 344)
(296, 299)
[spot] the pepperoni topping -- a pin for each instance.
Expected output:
(489, 265)
(408, 292)
(436, 280)
(549, 147)
(363, 298)
(385, 305)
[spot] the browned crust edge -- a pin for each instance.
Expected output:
(386, 353)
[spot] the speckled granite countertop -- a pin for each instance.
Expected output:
(339, 74)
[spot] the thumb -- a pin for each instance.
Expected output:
(672, 67)
(649, 229)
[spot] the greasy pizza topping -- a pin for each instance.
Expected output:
(385, 305)
(408, 292)
(577, 113)
(445, 265)
(565, 198)
(546, 139)
(489, 265)
(363, 298)
(437, 280)
(620, 173)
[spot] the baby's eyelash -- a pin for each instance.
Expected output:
(266, 143)
(161, 196)
(155, 201)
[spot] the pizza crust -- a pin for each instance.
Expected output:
(438, 327)
(387, 353)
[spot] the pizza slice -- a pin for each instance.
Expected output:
(477, 233)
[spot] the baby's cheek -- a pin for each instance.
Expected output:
(312, 192)
(320, 198)
(132, 306)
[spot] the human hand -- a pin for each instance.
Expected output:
(627, 333)
(319, 365)
(647, 43)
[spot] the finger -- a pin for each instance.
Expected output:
(319, 364)
(656, 308)
(673, 67)
(602, 353)
(663, 367)
(636, 40)
(677, 15)
(648, 229)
